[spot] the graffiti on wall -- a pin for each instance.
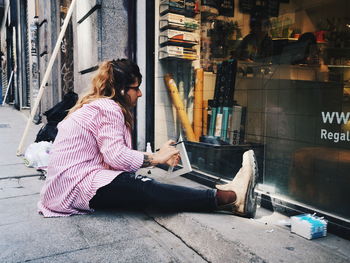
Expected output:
(67, 60)
(35, 60)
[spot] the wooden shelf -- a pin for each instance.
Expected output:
(285, 38)
(338, 66)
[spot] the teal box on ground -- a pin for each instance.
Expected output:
(309, 226)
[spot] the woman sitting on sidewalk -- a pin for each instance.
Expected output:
(92, 164)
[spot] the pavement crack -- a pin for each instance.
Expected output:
(82, 235)
(67, 252)
(57, 254)
(11, 197)
(21, 176)
(7, 164)
(13, 223)
(179, 237)
(154, 234)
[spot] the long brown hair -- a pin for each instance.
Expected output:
(111, 81)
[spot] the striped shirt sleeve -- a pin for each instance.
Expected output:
(110, 136)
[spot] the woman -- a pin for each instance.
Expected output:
(92, 165)
(257, 45)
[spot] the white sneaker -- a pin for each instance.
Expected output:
(243, 184)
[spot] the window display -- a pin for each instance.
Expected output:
(268, 75)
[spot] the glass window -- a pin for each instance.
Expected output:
(273, 76)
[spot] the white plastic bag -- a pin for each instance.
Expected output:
(37, 155)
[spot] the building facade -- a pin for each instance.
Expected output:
(271, 75)
(268, 75)
(97, 31)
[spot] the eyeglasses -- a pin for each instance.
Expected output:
(133, 87)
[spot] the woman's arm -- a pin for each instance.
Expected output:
(167, 154)
(110, 136)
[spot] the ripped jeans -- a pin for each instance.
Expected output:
(128, 190)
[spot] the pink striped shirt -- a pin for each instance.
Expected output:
(92, 147)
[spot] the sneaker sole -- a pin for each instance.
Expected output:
(251, 197)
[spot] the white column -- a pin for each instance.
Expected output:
(141, 61)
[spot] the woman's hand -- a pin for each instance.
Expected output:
(173, 161)
(167, 154)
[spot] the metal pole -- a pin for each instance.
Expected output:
(7, 89)
(46, 77)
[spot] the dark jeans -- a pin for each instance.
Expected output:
(128, 190)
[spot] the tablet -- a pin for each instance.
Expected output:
(185, 165)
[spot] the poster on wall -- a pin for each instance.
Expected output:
(67, 68)
(35, 61)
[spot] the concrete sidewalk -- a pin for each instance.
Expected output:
(132, 236)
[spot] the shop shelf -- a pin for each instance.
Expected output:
(178, 38)
(179, 7)
(178, 22)
(177, 52)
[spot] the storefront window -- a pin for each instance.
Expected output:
(270, 75)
